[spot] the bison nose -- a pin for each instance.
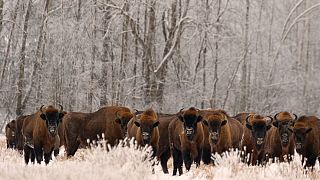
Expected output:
(284, 138)
(298, 145)
(259, 141)
(214, 136)
(146, 137)
(189, 131)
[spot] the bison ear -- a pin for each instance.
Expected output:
(137, 123)
(308, 130)
(268, 127)
(275, 123)
(43, 116)
(205, 122)
(224, 122)
(61, 116)
(156, 124)
(248, 126)
(117, 121)
(199, 118)
(180, 118)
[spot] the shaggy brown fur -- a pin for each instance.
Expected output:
(186, 139)
(144, 128)
(307, 138)
(279, 140)
(11, 134)
(110, 121)
(253, 142)
(223, 132)
(241, 117)
(19, 124)
(39, 131)
(164, 147)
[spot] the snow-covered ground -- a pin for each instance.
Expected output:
(128, 163)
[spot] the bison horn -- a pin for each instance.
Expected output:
(181, 110)
(225, 118)
(117, 114)
(295, 116)
(41, 109)
(275, 116)
(271, 119)
(61, 107)
(247, 119)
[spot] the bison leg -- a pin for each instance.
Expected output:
(197, 159)
(177, 161)
(164, 157)
(38, 153)
(56, 152)
(33, 156)
(47, 157)
(27, 151)
(187, 159)
(206, 156)
(72, 148)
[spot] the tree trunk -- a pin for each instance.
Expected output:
(21, 81)
(105, 59)
(93, 55)
(5, 60)
(35, 76)
(243, 81)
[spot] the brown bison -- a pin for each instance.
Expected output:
(306, 137)
(144, 128)
(186, 139)
(253, 142)
(223, 132)
(40, 131)
(241, 117)
(11, 134)
(79, 127)
(19, 124)
(164, 153)
(280, 143)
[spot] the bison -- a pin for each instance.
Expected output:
(40, 131)
(223, 132)
(164, 153)
(78, 127)
(306, 138)
(280, 143)
(11, 134)
(253, 141)
(144, 128)
(186, 139)
(19, 124)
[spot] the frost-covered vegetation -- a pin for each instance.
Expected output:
(124, 162)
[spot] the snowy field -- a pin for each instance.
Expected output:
(127, 163)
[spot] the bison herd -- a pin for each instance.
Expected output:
(190, 136)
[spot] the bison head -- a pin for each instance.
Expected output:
(122, 118)
(11, 134)
(52, 117)
(147, 121)
(300, 132)
(283, 121)
(214, 123)
(259, 126)
(190, 118)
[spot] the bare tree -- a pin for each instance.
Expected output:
(21, 81)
